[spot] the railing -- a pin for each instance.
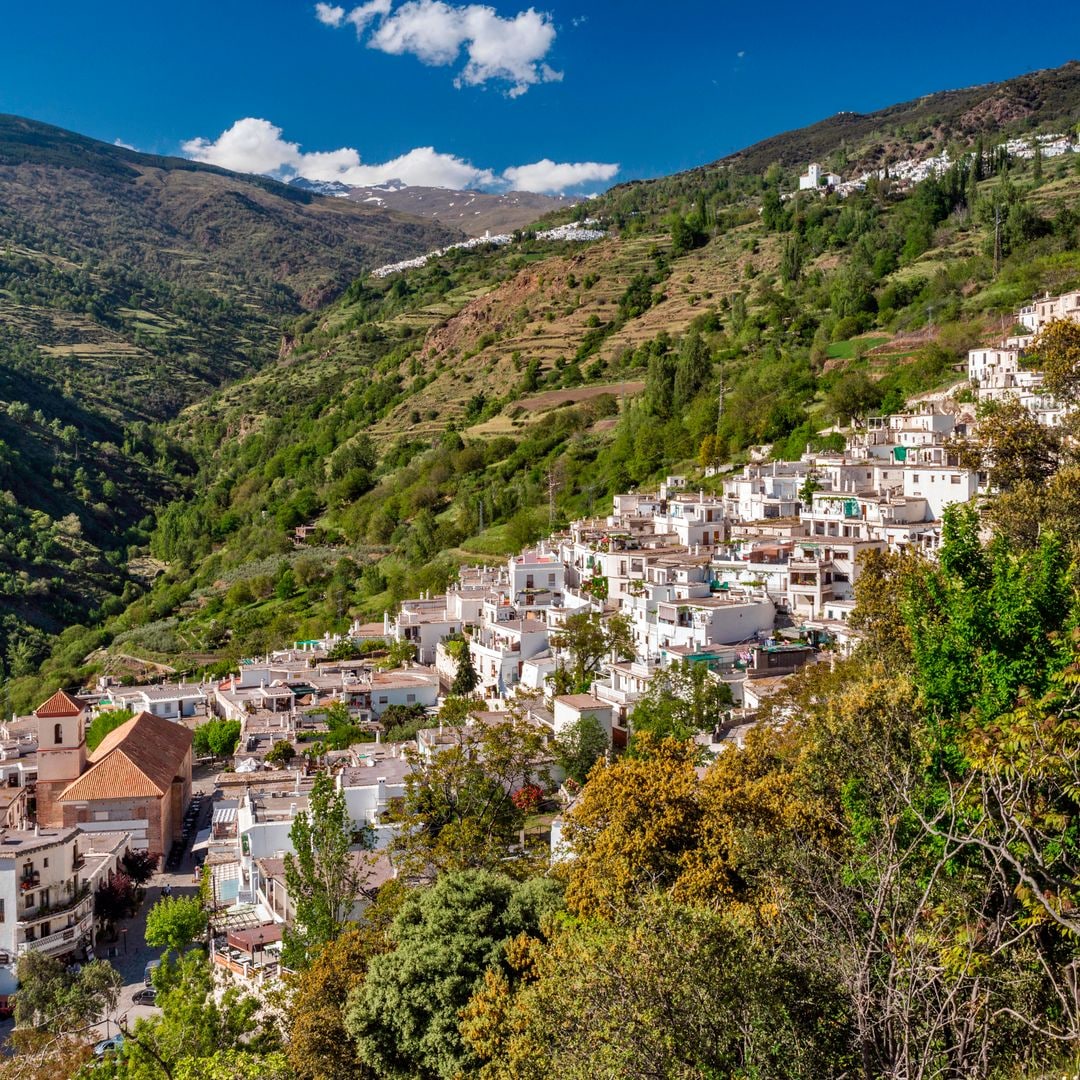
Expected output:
(65, 939)
(59, 908)
(248, 970)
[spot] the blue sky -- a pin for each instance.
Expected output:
(570, 95)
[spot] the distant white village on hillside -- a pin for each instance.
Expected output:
(572, 232)
(914, 170)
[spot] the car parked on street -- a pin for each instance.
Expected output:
(103, 1047)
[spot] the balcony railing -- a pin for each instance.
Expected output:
(62, 941)
(39, 912)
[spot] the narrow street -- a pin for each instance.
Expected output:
(130, 954)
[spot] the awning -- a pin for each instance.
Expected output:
(202, 840)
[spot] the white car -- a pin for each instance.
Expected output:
(103, 1047)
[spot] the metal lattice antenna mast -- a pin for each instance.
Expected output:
(551, 498)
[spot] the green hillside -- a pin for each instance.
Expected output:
(130, 286)
(456, 412)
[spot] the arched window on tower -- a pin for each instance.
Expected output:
(58, 733)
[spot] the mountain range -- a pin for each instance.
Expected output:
(196, 362)
(473, 212)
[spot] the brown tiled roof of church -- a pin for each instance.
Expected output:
(141, 757)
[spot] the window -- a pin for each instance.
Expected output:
(1, 909)
(954, 479)
(410, 698)
(383, 700)
(58, 733)
(45, 862)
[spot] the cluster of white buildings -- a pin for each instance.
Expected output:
(914, 170)
(720, 579)
(570, 233)
(999, 372)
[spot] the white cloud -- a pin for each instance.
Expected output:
(551, 176)
(365, 13)
(497, 49)
(252, 145)
(120, 142)
(329, 14)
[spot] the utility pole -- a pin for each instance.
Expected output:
(552, 486)
(997, 238)
(721, 391)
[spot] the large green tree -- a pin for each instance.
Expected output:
(324, 873)
(580, 746)
(589, 638)
(459, 812)
(681, 701)
(197, 1027)
(176, 922)
(56, 999)
(404, 1016)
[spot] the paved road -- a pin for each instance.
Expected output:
(130, 954)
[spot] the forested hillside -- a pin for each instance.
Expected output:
(458, 411)
(130, 286)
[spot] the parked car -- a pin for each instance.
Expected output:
(103, 1047)
(148, 972)
(146, 996)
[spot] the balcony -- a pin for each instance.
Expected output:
(61, 907)
(62, 941)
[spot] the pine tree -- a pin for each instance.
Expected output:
(692, 369)
(465, 678)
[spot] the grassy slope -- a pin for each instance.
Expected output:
(131, 285)
(450, 346)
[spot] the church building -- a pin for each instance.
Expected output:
(138, 780)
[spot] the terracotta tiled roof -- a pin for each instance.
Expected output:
(117, 777)
(60, 704)
(139, 758)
